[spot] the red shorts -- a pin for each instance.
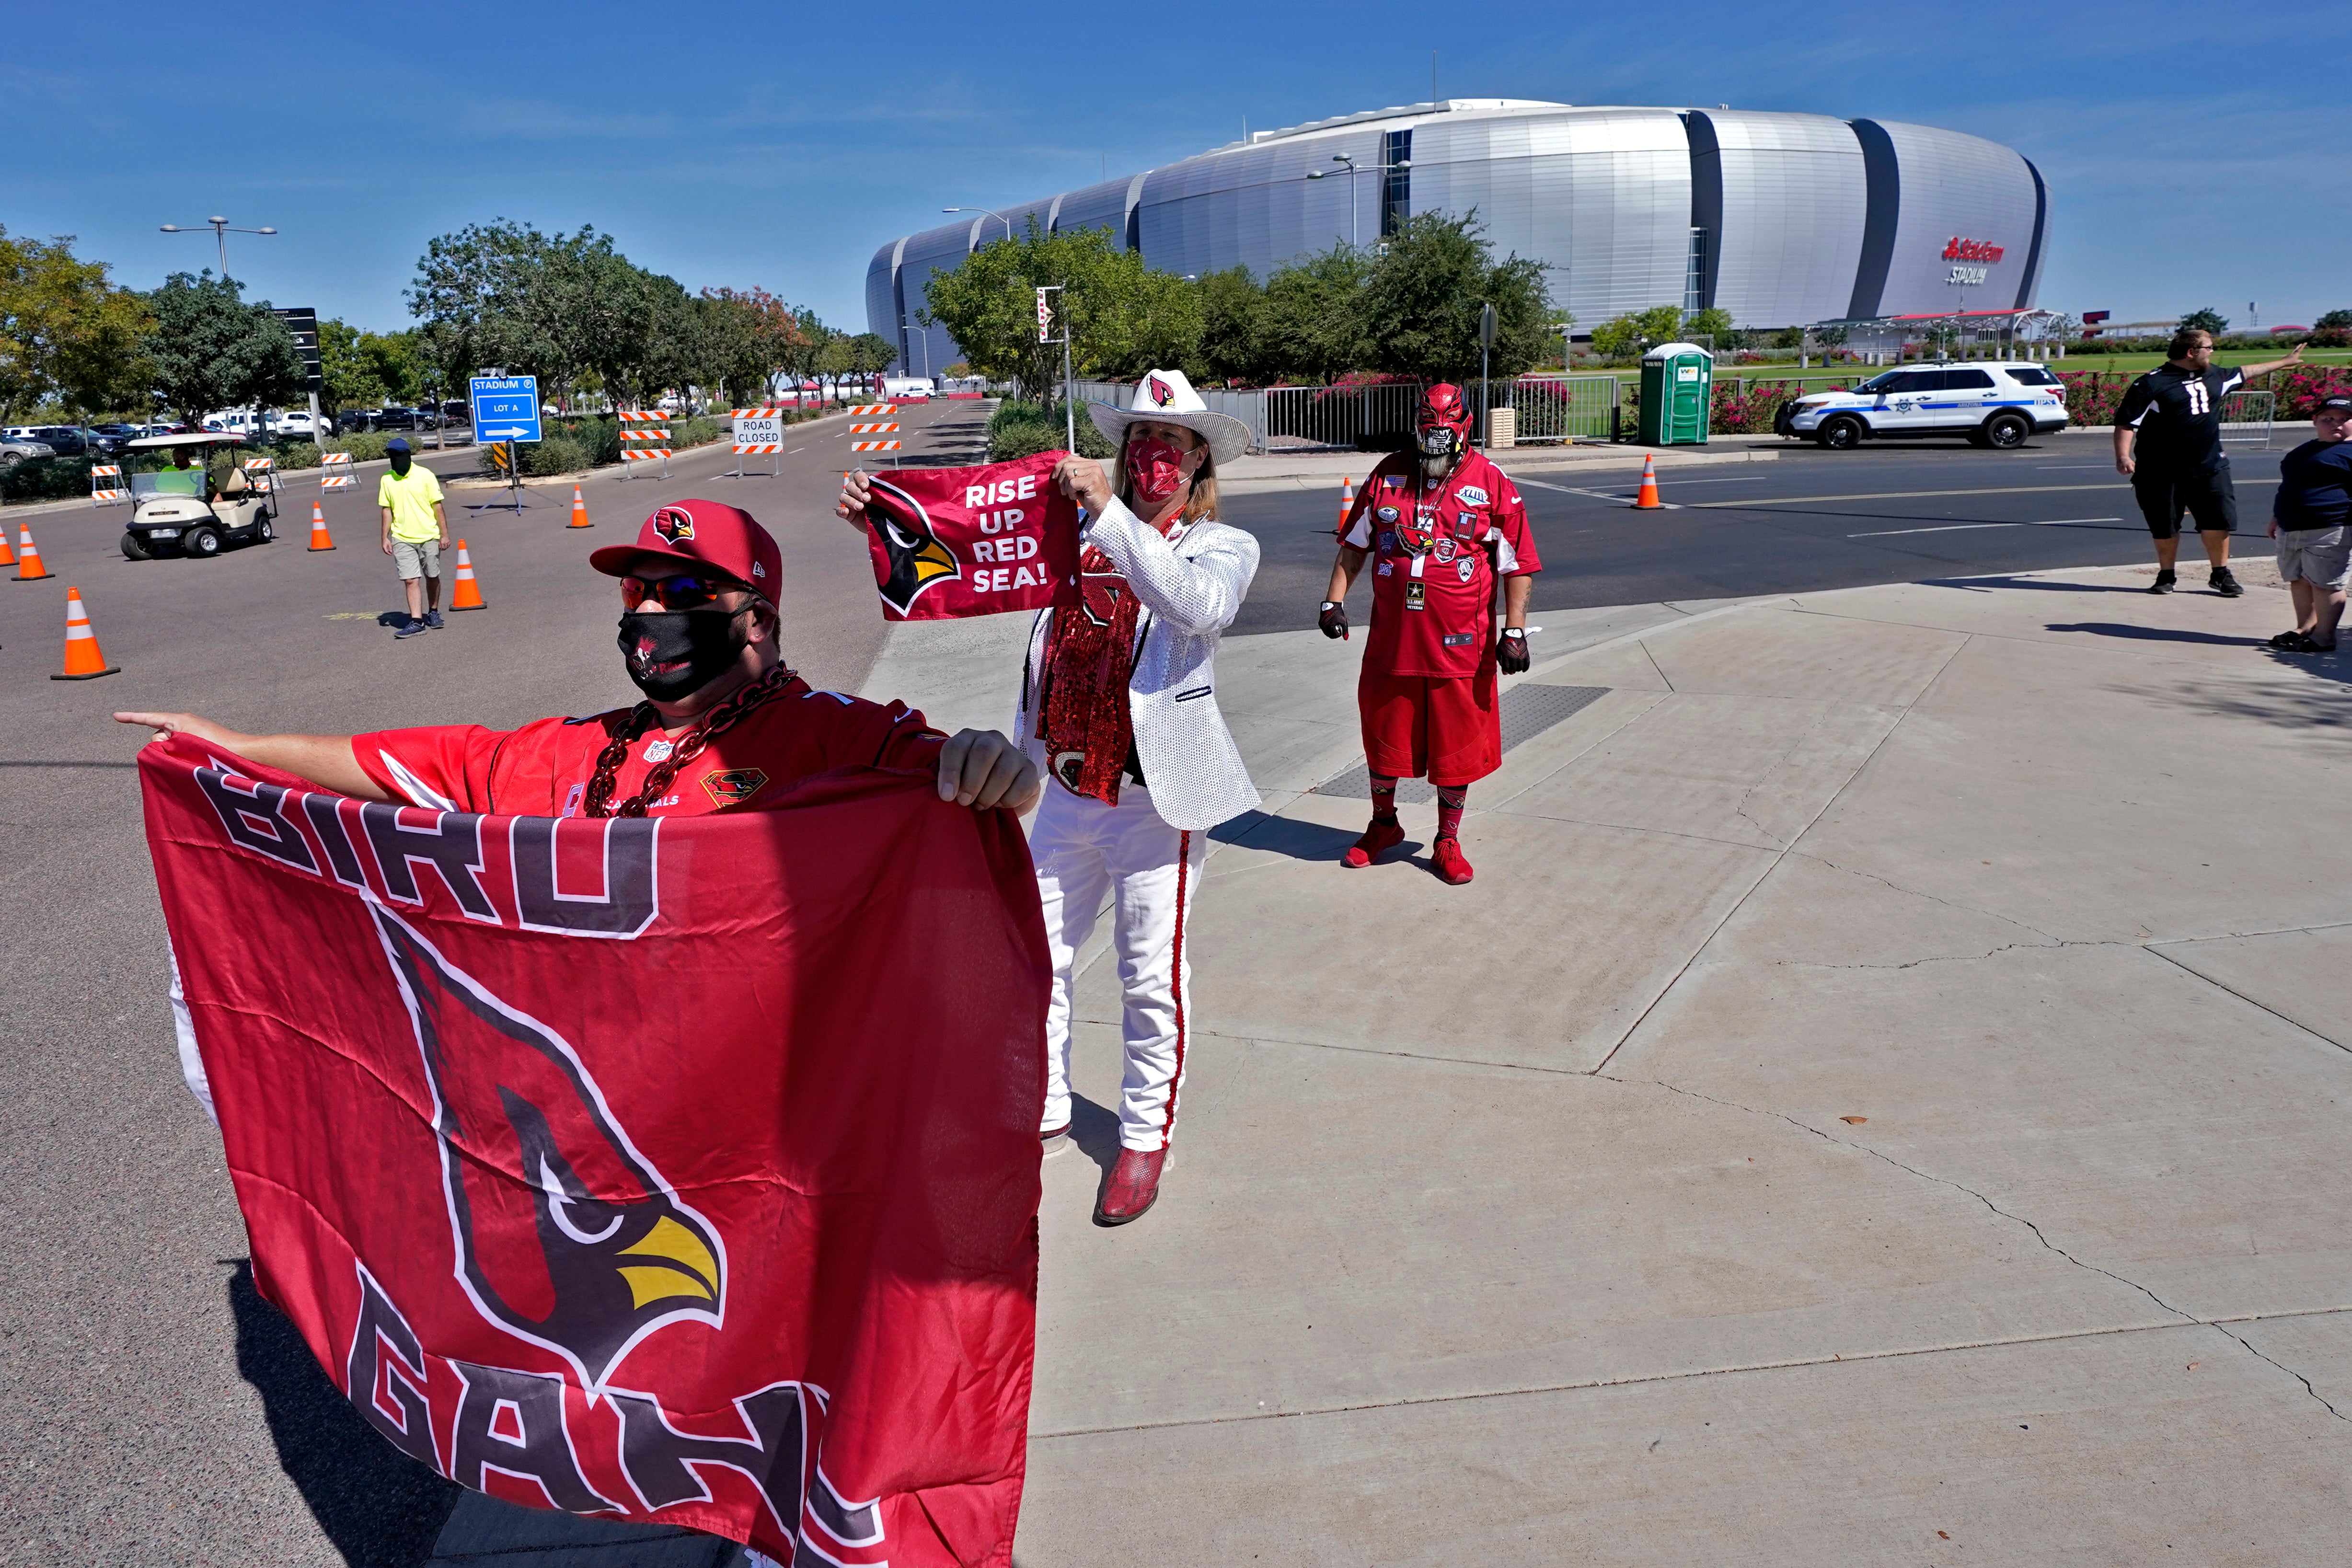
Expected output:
(1449, 730)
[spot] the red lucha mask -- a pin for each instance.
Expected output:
(1442, 425)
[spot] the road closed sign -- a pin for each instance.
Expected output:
(758, 430)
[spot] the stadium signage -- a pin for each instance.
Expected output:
(1960, 250)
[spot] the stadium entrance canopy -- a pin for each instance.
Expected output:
(1891, 334)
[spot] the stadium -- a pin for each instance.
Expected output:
(1780, 219)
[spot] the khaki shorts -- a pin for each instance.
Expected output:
(417, 557)
(2320, 556)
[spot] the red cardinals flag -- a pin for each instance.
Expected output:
(679, 1171)
(951, 542)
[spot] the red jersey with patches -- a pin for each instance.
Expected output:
(543, 769)
(1437, 551)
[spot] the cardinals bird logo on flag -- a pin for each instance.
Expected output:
(551, 1263)
(918, 558)
(674, 523)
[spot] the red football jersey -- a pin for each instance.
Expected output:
(543, 769)
(1437, 551)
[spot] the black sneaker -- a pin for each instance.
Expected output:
(2164, 581)
(432, 619)
(409, 628)
(2228, 586)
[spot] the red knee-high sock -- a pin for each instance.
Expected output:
(1383, 799)
(1450, 801)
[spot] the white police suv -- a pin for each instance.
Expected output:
(1996, 405)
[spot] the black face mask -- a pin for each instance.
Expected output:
(701, 644)
(400, 464)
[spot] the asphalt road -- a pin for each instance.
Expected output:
(1811, 521)
(152, 1409)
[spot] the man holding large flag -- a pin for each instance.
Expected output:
(636, 1115)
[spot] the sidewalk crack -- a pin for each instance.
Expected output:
(1653, 658)
(2186, 1316)
(2050, 937)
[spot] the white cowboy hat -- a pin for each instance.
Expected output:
(1166, 395)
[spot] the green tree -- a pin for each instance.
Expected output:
(2207, 319)
(1317, 325)
(368, 369)
(1122, 317)
(1626, 336)
(2333, 320)
(1420, 304)
(213, 350)
(1712, 328)
(870, 353)
(1232, 326)
(66, 333)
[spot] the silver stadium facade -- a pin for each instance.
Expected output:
(1780, 219)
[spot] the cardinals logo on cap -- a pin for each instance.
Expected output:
(672, 523)
(566, 1235)
(1161, 393)
(917, 556)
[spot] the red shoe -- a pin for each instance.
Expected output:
(1383, 835)
(1445, 859)
(1133, 1187)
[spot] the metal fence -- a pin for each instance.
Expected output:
(1378, 417)
(1546, 409)
(2246, 417)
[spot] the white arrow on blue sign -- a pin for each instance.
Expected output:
(506, 407)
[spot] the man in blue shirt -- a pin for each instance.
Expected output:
(2312, 520)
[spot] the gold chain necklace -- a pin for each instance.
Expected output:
(723, 718)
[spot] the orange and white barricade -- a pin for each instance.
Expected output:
(335, 471)
(645, 436)
(106, 485)
(759, 433)
(261, 473)
(870, 420)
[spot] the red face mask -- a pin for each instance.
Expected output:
(1155, 469)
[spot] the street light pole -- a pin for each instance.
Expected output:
(222, 230)
(998, 216)
(1382, 169)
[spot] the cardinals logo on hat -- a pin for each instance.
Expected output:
(672, 523)
(591, 1250)
(1161, 393)
(917, 556)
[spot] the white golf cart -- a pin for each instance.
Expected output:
(176, 509)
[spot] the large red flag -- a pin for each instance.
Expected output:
(950, 543)
(669, 1171)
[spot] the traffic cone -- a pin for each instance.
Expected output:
(83, 661)
(1647, 500)
(466, 595)
(579, 510)
(29, 556)
(1347, 499)
(7, 556)
(320, 538)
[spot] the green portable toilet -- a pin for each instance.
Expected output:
(1677, 396)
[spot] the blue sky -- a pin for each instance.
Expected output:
(2190, 148)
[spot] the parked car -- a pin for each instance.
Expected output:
(392, 416)
(109, 439)
(456, 412)
(65, 440)
(293, 424)
(907, 389)
(351, 419)
(1999, 405)
(14, 449)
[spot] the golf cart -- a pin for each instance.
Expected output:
(176, 509)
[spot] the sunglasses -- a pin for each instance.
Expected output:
(680, 592)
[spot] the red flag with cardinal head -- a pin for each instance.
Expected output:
(669, 1171)
(951, 543)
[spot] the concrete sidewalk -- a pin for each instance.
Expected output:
(1875, 1105)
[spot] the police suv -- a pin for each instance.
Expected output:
(1996, 405)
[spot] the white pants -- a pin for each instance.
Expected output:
(1084, 850)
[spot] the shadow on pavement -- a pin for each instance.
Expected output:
(1095, 1130)
(380, 1508)
(1285, 836)
(2151, 634)
(2051, 585)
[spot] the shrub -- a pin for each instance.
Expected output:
(556, 455)
(46, 478)
(1024, 429)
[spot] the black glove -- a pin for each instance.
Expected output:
(1334, 621)
(1512, 655)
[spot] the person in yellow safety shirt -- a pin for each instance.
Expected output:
(415, 534)
(181, 477)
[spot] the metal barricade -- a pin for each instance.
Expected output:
(335, 471)
(106, 484)
(645, 436)
(1360, 418)
(1556, 408)
(2247, 416)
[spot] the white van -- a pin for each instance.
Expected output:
(906, 388)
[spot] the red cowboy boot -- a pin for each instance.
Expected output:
(1133, 1187)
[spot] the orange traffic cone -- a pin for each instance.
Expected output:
(83, 661)
(1347, 499)
(320, 538)
(579, 510)
(29, 557)
(1647, 500)
(7, 556)
(466, 595)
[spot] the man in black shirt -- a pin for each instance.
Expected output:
(2312, 520)
(2169, 444)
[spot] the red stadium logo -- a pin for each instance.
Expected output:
(1960, 249)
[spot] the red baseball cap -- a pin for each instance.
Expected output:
(700, 535)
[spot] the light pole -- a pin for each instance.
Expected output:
(998, 216)
(221, 231)
(1350, 162)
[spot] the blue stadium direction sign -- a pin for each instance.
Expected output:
(506, 407)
